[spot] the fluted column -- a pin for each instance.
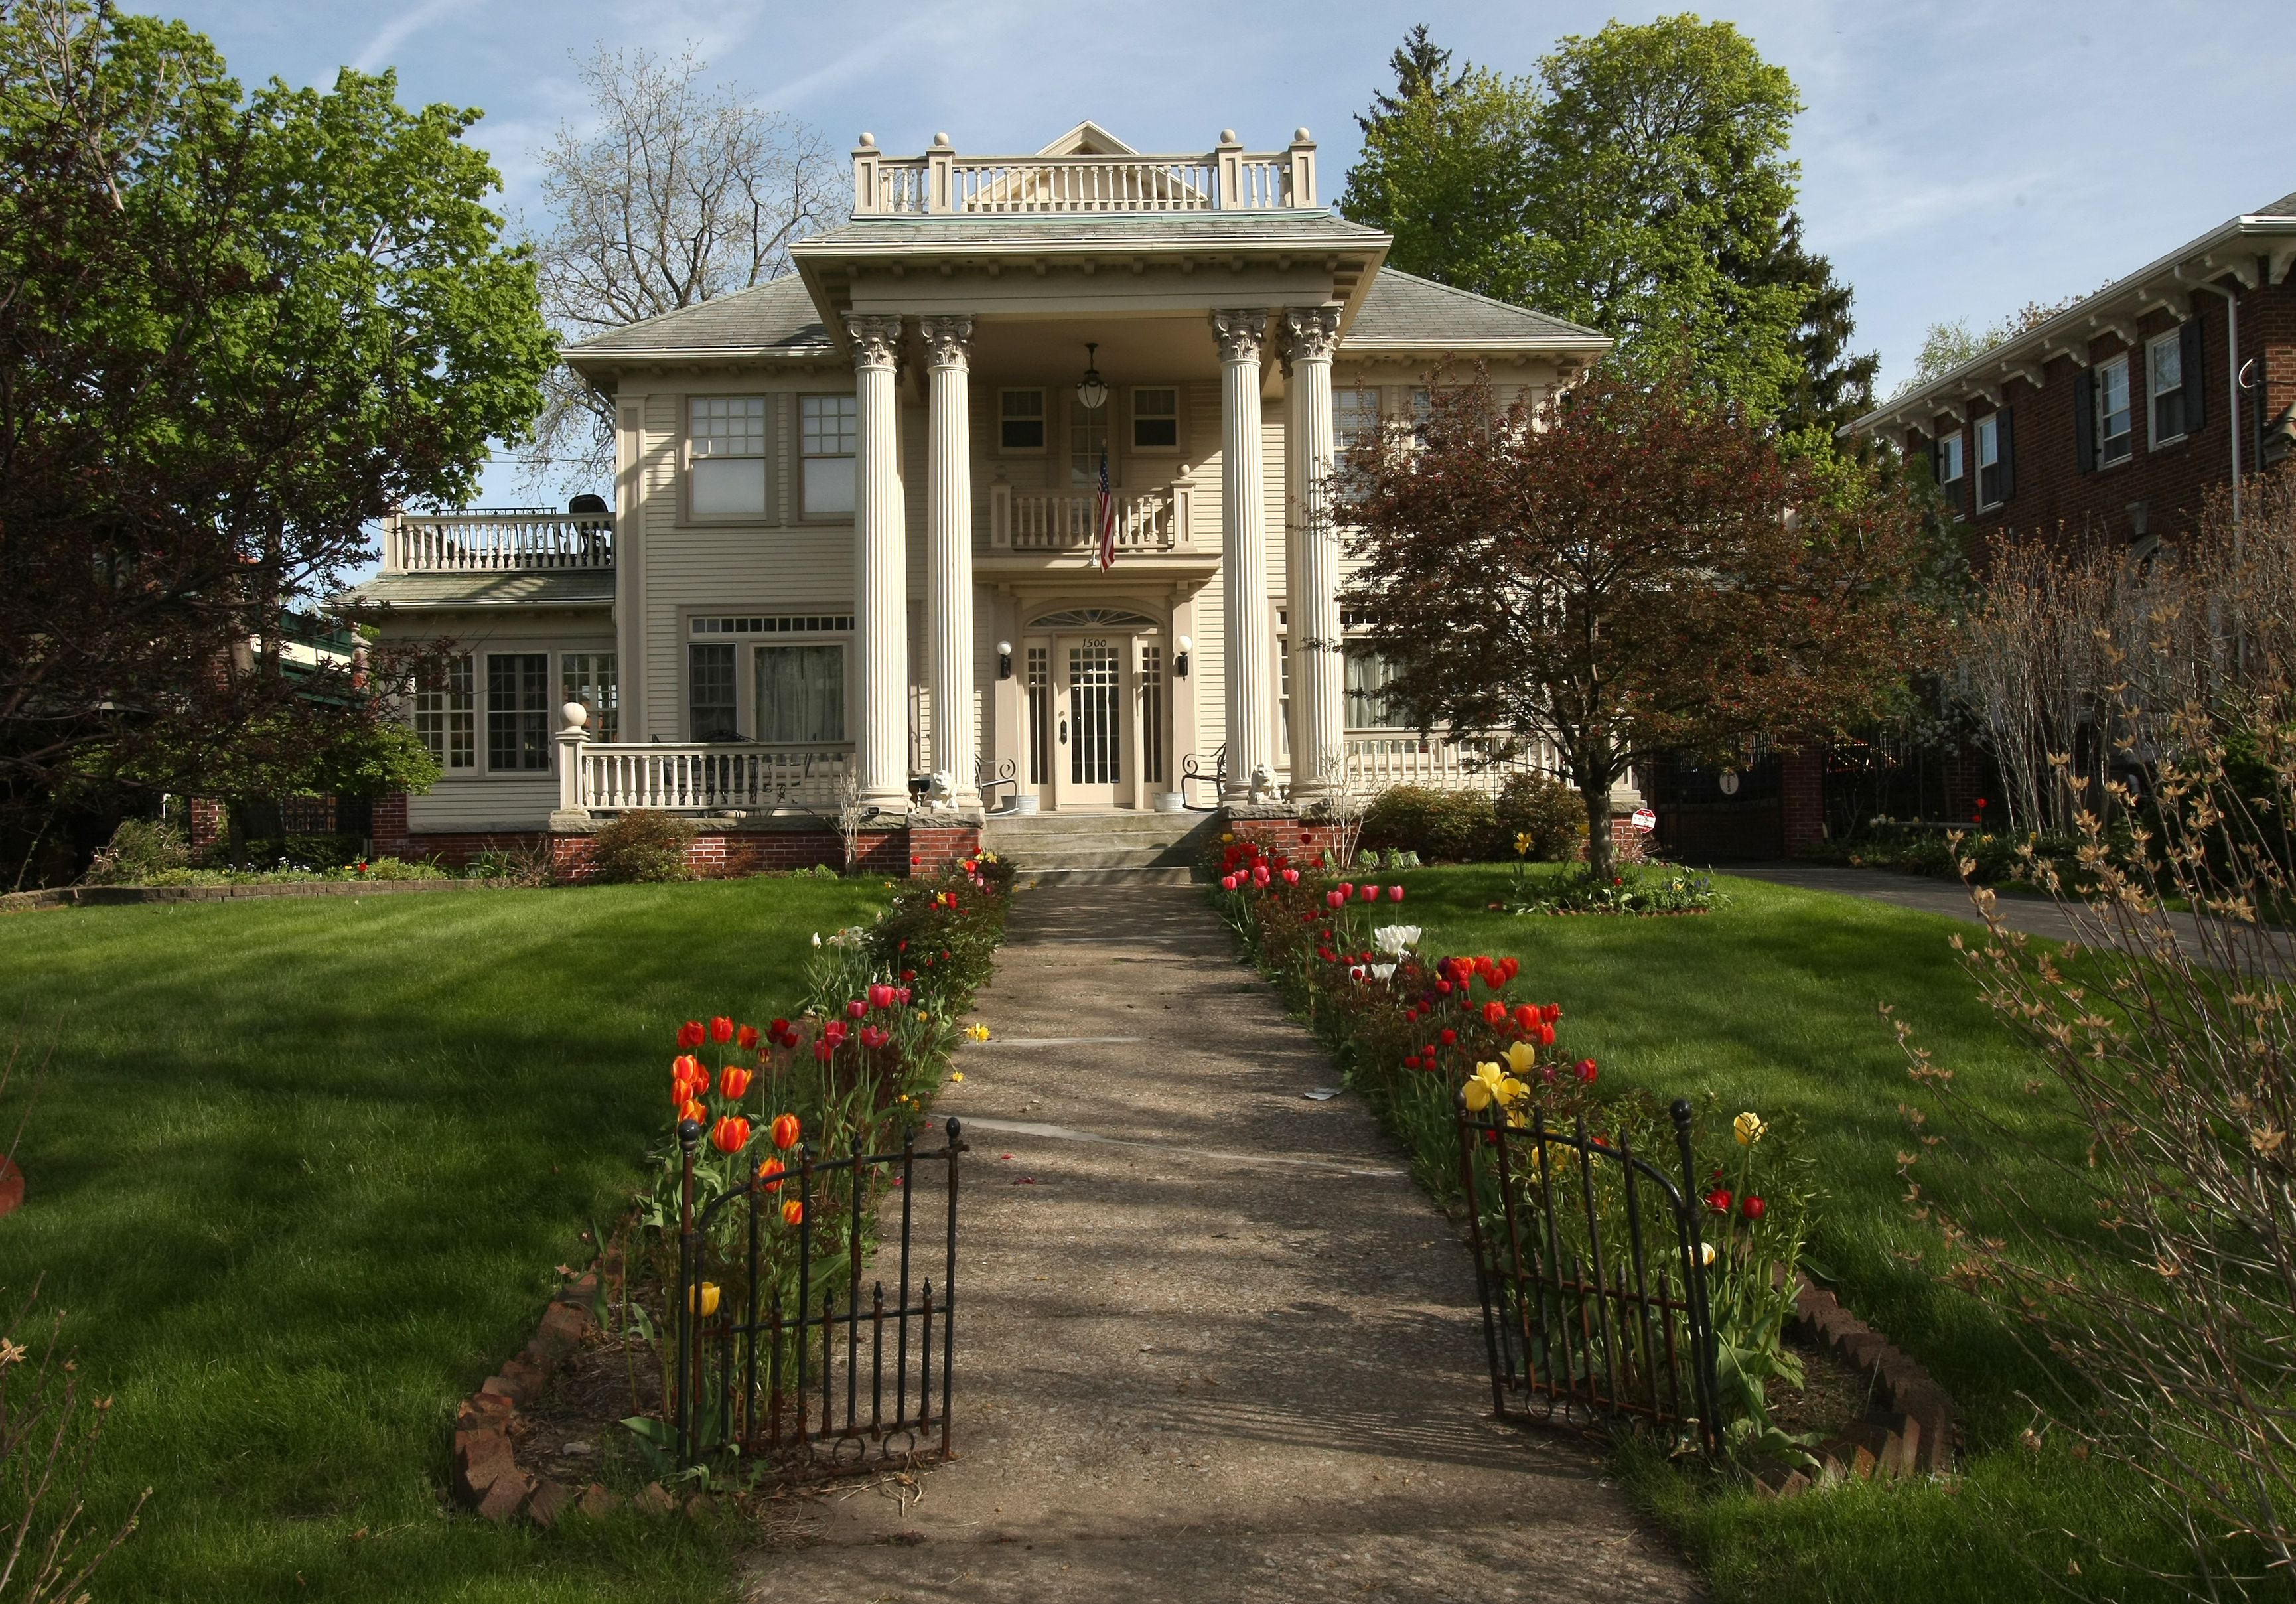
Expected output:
(1312, 562)
(948, 545)
(880, 621)
(1250, 662)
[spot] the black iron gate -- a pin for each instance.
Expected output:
(1584, 1317)
(782, 1355)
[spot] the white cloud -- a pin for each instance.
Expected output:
(379, 49)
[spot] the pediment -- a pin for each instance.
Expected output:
(1087, 138)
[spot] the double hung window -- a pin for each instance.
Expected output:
(828, 432)
(728, 435)
(1950, 471)
(712, 713)
(800, 693)
(1996, 460)
(518, 711)
(588, 677)
(2165, 365)
(1367, 674)
(2113, 412)
(1156, 418)
(1020, 419)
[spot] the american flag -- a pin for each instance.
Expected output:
(1104, 514)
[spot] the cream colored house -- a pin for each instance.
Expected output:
(856, 529)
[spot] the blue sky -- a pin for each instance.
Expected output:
(1957, 159)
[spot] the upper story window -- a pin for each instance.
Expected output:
(1020, 419)
(517, 710)
(828, 432)
(1422, 409)
(2170, 388)
(1996, 459)
(2113, 412)
(1088, 443)
(1354, 418)
(1156, 419)
(446, 714)
(728, 443)
(1949, 468)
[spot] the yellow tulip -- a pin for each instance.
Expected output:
(1487, 1085)
(1520, 1056)
(708, 1297)
(1512, 1090)
(1749, 1128)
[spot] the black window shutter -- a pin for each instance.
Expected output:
(2196, 405)
(2008, 447)
(2085, 421)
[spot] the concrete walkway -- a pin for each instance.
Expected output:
(1213, 1341)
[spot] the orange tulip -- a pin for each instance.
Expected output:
(768, 1171)
(792, 1212)
(730, 1134)
(693, 1110)
(734, 1080)
(785, 1132)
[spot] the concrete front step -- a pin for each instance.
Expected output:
(1173, 825)
(1104, 877)
(1099, 854)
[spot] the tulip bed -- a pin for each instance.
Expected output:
(1770, 1002)
(298, 1181)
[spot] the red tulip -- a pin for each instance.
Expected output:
(872, 1037)
(1753, 1208)
(733, 1081)
(880, 997)
(902, 995)
(822, 1049)
(1586, 1068)
(1495, 1013)
(691, 1109)
(1411, 1062)
(855, 1008)
(1290, 877)
(792, 1213)
(1546, 1035)
(1334, 899)
(1228, 882)
(1370, 893)
(778, 1028)
(746, 1038)
(1512, 967)
(1395, 893)
(1552, 1012)
(1259, 875)
(1443, 987)
(1719, 1200)
(730, 1134)
(1347, 890)
(690, 1034)
(1450, 1036)
(1526, 1017)
(785, 1132)
(721, 1029)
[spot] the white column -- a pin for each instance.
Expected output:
(1244, 553)
(880, 621)
(949, 546)
(1312, 562)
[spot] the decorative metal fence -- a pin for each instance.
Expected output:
(785, 1355)
(1593, 1274)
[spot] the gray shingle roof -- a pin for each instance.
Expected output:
(582, 587)
(778, 315)
(2285, 207)
(1403, 309)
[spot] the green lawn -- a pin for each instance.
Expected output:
(298, 1180)
(1772, 1002)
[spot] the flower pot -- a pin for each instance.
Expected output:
(1170, 801)
(1024, 804)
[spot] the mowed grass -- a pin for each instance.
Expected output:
(299, 1177)
(1773, 1003)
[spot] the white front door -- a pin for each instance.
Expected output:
(1093, 713)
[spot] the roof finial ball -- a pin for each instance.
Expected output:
(1299, 136)
(941, 142)
(1227, 136)
(868, 139)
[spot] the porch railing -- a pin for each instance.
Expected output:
(496, 540)
(706, 779)
(1378, 759)
(1057, 520)
(941, 182)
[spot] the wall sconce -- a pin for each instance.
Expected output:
(1180, 659)
(1003, 660)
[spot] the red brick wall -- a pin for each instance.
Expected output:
(1802, 791)
(205, 824)
(714, 854)
(2050, 493)
(933, 848)
(390, 825)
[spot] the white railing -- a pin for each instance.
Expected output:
(942, 183)
(490, 540)
(708, 778)
(1055, 521)
(1377, 759)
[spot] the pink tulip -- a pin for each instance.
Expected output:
(1347, 890)
(1259, 874)
(855, 1008)
(880, 997)
(1335, 899)
(1370, 893)
(1395, 893)
(1228, 882)
(1290, 877)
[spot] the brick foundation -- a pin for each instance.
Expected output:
(389, 830)
(1802, 790)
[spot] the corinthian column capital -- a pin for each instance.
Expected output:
(1310, 333)
(1240, 333)
(948, 340)
(876, 338)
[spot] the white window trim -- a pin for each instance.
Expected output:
(445, 715)
(1978, 432)
(800, 456)
(1132, 445)
(483, 688)
(745, 667)
(2154, 442)
(1043, 419)
(688, 457)
(1960, 455)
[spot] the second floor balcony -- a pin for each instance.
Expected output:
(497, 541)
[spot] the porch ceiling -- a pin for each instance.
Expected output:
(1136, 349)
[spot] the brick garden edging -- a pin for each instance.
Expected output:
(1922, 1428)
(487, 1474)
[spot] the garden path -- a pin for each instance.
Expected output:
(1213, 1341)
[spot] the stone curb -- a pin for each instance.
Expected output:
(1921, 1432)
(109, 896)
(487, 1474)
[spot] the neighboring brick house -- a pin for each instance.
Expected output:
(2117, 415)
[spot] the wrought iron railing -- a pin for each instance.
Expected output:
(807, 1374)
(1592, 1267)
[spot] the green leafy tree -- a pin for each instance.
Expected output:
(1627, 570)
(234, 329)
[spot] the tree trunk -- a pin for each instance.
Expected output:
(1596, 795)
